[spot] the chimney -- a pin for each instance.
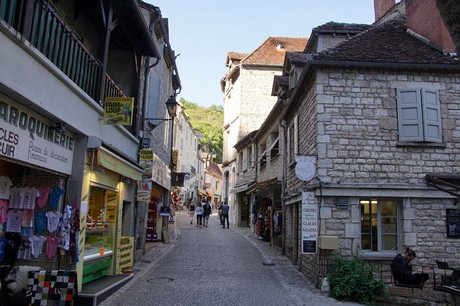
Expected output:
(381, 7)
(424, 18)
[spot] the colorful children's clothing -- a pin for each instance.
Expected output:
(13, 224)
(53, 220)
(43, 198)
(36, 245)
(55, 196)
(40, 221)
(3, 210)
(5, 185)
(30, 194)
(51, 246)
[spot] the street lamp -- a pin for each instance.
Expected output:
(171, 106)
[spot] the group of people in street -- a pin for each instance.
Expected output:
(202, 210)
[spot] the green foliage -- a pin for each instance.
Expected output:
(354, 280)
(209, 122)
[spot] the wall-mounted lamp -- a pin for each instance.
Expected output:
(171, 106)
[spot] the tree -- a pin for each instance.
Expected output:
(209, 122)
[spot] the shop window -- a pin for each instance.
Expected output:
(380, 224)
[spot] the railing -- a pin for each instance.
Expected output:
(37, 21)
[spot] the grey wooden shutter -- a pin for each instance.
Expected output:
(410, 125)
(432, 116)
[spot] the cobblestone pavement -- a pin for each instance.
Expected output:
(300, 290)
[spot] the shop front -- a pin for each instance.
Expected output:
(108, 188)
(37, 213)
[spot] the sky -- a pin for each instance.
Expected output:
(202, 32)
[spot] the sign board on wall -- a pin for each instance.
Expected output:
(27, 136)
(309, 223)
(118, 110)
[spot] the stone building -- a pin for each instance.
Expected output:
(371, 147)
(247, 102)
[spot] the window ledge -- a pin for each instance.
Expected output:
(421, 144)
(377, 255)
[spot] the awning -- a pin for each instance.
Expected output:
(202, 192)
(119, 165)
(259, 186)
(446, 182)
(241, 187)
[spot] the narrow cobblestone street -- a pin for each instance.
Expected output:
(216, 266)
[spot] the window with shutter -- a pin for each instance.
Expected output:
(419, 115)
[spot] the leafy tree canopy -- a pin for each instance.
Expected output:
(209, 122)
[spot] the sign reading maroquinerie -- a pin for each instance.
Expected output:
(29, 137)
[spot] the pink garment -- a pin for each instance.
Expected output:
(27, 218)
(3, 210)
(51, 246)
(43, 198)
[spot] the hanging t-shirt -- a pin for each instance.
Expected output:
(15, 198)
(3, 210)
(43, 198)
(30, 194)
(40, 221)
(55, 195)
(27, 231)
(51, 246)
(5, 185)
(36, 245)
(27, 218)
(53, 220)
(13, 224)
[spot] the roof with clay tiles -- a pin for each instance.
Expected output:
(272, 51)
(388, 42)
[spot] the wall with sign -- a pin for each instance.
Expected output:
(309, 223)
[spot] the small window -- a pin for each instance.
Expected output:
(249, 158)
(275, 150)
(419, 115)
(379, 225)
(263, 160)
(292, 141)
(240, 162)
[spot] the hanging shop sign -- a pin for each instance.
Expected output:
(118, 110)
(146, 162)
(309, 223)
(305, 168)
(26, 136)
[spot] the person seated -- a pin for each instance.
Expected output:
(402, 270)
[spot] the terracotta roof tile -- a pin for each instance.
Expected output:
(236, 55)
(386, 43)
(272, 51)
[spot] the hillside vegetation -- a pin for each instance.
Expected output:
(209, 122)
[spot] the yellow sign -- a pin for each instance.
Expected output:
(118, 110)
(146, 154)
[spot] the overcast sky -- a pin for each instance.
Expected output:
(203, 31)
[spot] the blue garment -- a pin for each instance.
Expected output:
(55, 195)
(40, 221)
(3, 242)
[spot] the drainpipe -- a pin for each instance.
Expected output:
(283, 188)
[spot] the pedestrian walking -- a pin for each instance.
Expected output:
(225, 210)
(199, 215)
(191, 212)
(206, 213)
(219, 211)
